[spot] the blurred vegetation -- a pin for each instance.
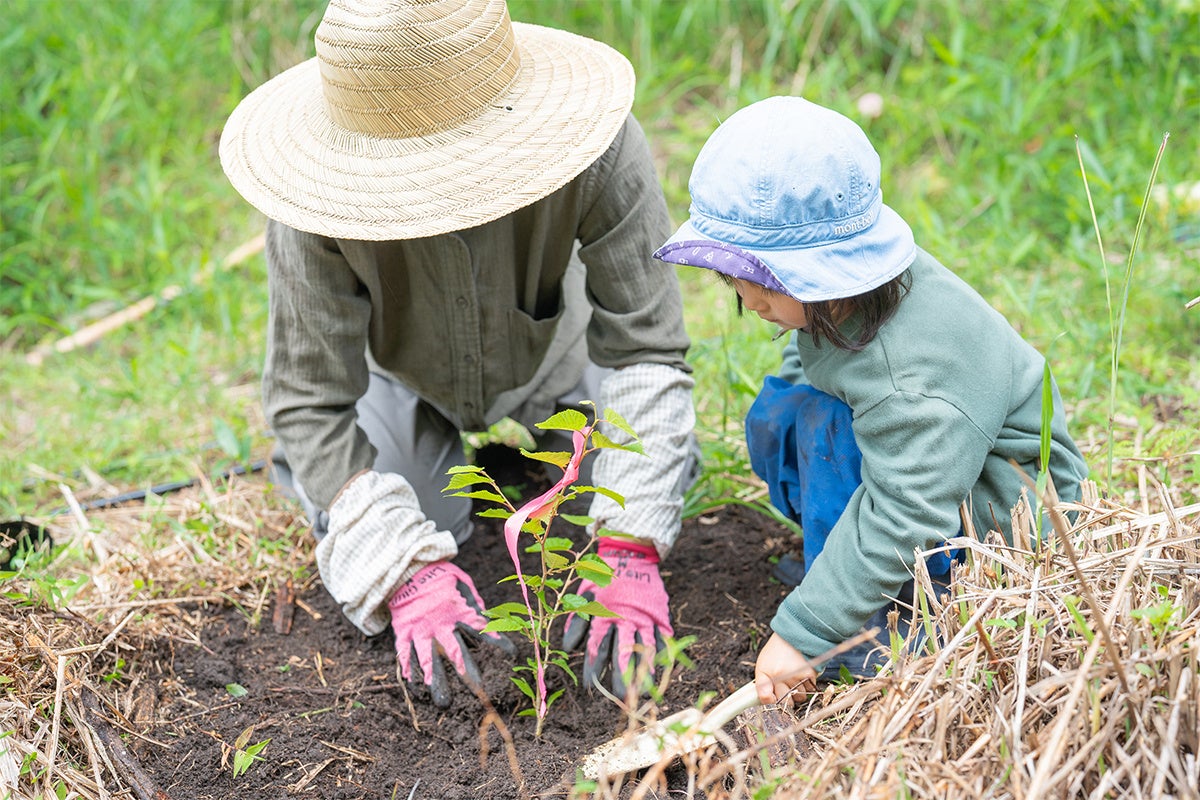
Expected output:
(111, 191)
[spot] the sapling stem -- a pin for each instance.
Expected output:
(545, 595)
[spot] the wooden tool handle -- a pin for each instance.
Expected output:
(730, 707)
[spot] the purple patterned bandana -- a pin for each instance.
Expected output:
(723, 258)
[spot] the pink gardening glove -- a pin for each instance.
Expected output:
(638, 595)
(431, 612)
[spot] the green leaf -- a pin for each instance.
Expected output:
(461, 468)
(613, 418)
(552, 543)
(506, 609)
(506, 624)
(571, 601)
(576, 519)
(593, 568)
(1080, 624)
(483, 494)
(257, 748)
(555, 562)
(599, 440)
(595, 609)
(558, 459)
(566, 420)
(619, 499)
(534, 526)
(226, 438)
(499, 513)
(523, 685)
(466, 479)
(236, 690)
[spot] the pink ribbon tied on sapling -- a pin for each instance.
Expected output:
(540, 508)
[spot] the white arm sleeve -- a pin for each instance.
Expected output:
(378, 539)
(656, 401)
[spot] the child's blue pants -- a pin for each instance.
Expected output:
(802, 444)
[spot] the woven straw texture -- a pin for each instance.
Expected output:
(421, 118)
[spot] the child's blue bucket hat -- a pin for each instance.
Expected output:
(785, 193)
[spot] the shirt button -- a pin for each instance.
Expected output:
(462, 301)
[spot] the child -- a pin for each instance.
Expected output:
(903, 394)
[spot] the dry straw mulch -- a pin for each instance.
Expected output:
(127, 575)
(1066, 671)
(1069, 671)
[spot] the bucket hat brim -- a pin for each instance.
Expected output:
(829, 271)
(285, 156)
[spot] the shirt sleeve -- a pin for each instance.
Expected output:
(921, 457)
(316, 368)
(637, 311)
(656, 401)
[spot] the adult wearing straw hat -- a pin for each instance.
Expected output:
(462, 213)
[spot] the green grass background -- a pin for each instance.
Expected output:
(111, 190)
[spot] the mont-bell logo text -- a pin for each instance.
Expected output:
(854, 226)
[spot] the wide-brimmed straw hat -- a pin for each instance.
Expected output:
(421, 117)
(786, 194)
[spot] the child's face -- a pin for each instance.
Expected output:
(786, 312)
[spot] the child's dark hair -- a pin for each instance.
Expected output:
(874, 308)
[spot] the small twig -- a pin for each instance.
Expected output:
(412, 710)
(128, 769)
(285, 608)
(987, 643)
(492, 719)
(60, 681)
(309, 777)
(349, 751)
(90, 334)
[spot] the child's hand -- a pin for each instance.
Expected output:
(779, 668)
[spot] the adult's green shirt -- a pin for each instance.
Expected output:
(943, 398)
(466, 319)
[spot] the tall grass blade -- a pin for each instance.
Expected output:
(1117, 326)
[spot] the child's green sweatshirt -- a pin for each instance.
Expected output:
(944, 397)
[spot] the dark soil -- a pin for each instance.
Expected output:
(342, 726)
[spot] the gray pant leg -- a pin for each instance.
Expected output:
(410, 439)
(414, 440)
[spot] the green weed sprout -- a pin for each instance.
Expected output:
(547, 595)
(244, 753)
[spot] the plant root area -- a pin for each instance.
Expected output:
(341, 724)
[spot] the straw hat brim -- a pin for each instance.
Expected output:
(286, 157)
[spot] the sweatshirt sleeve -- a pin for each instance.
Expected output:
(921, 457)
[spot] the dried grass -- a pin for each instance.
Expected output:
(1069, 671)
(151, 571)
(1035, 690)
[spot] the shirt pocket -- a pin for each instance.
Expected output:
(528, 341)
